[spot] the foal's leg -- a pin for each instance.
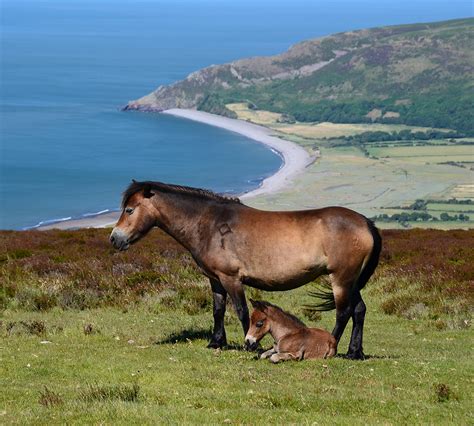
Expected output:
(286, 356)
(355, 346)
(268, 354)
(219, 296)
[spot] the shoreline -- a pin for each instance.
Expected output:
(294, 160)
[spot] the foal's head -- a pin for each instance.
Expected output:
(259, 323)
(137, 218)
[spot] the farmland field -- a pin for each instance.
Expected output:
(373, 177)
(90, 335)
(426, 154)
(445, 207)
(314, 130)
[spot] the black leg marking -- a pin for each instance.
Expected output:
(342, 318)
(355, 346)
(219, 295)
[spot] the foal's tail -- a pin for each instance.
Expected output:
(325, 294)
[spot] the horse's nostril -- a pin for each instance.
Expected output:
(112, 238)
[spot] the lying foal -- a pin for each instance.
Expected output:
(293, 340)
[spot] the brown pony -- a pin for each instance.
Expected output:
(236, 245)
(293, 340)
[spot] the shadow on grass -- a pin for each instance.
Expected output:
(189, 335)
(186, 336)
(367, 357)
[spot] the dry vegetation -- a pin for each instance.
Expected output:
(81, 270)
(423, 273)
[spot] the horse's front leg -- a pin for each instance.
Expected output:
(236, 292)
(219, 296)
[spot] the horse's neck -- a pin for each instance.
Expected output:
(282, 325)
(182, 217)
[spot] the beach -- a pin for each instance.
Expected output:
(294, 161)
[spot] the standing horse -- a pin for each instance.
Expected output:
(236, 245)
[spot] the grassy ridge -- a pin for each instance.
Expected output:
(418, 74)
(133, 350)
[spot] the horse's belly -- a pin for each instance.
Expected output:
(279, 279)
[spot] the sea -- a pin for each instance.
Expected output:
(68, 66)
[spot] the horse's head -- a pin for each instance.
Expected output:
(137, 218)
(259, 324)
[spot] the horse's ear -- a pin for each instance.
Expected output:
(147, 193)
(134, 181)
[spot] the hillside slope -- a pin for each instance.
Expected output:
(419, 74)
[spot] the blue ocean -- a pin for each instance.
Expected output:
(67, 66)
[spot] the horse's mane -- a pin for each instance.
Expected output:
(284, 313)
(135, 187)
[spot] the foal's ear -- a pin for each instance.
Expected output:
(147, 193)
(257, 304)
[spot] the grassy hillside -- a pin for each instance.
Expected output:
(418, 74)
(91, 335)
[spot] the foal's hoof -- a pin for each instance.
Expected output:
(216, 345)
(355, 356)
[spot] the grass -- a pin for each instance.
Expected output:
(139, 356)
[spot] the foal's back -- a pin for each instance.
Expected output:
(309, 343)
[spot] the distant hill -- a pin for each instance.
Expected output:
(418, 74)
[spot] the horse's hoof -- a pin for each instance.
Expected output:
(216, 345)
(355, 356)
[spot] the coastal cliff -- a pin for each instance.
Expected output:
(417, 74)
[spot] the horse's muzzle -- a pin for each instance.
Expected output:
(250, 345)
(119, 239)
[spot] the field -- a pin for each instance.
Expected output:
(90, 335)
(425, 154)
(374, 177)
(313, 130)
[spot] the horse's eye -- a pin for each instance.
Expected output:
(259, 324)
(129, 210)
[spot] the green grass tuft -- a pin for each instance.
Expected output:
(104, 393)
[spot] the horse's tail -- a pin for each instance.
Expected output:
(325, 293)
(325, 297)
(374, 257)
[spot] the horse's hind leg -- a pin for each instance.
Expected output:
(344, 308)
(219, 295)
(355, 346)
(349, 304)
